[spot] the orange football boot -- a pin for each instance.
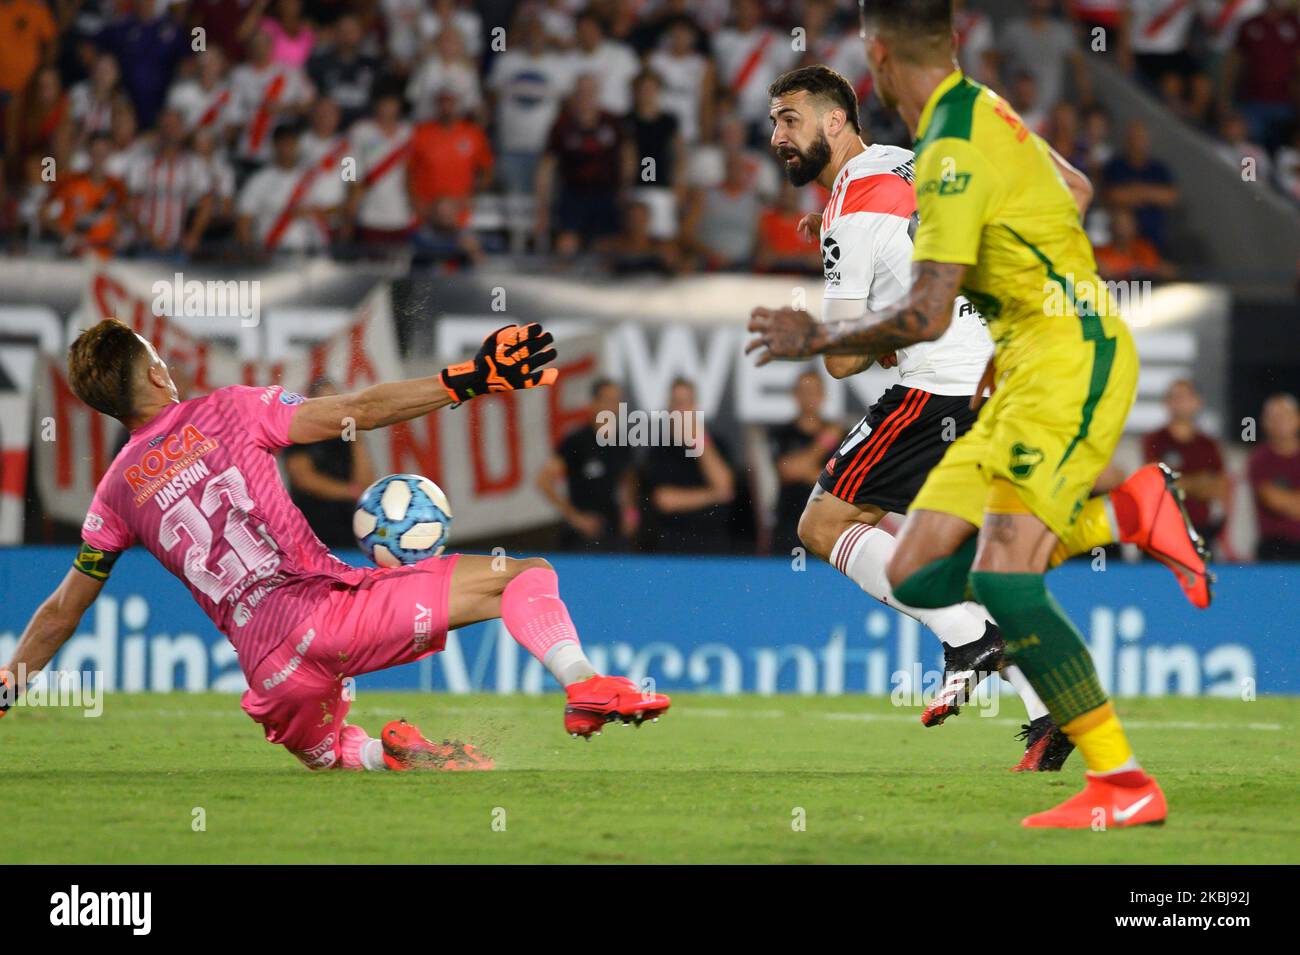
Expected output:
(603, 699)
(406, 748)
(1105, 804)
(1149, 510)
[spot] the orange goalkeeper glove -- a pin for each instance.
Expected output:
(510, 359)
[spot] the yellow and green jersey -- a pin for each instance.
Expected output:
(990, 197)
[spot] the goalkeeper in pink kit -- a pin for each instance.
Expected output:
(197, 484)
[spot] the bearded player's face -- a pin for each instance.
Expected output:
(798, 138)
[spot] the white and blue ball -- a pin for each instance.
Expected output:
(402, 519)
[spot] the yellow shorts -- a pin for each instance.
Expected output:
(1050, 429)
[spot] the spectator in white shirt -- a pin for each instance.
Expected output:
(611, 62)
(124, 143)
(266, 93)
(445, 13)
(528, 85)
(449, 69)
(557, 20)
(402, 31)
(286, 206)
(170, 192)
(206, 101)
(322, 135)
(688, 79)
(749, 55)
(378, 201)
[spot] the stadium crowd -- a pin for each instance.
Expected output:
(627, 135)
(632, 134)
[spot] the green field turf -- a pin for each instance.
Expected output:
(719, 779)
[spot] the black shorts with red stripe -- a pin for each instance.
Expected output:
(886, 457)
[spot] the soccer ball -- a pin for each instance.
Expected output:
(402, 519)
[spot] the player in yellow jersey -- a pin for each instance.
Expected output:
(999, 223)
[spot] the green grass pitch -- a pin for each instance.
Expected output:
(718, 779)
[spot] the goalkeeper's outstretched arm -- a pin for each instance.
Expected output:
(50, 627)
(509, 359)
(378, 406)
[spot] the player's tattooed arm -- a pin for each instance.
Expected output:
(922, 316)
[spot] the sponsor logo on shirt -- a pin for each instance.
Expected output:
(291, 398)
(164, 461)
(953, 185)
(93, 523)
(831, 258)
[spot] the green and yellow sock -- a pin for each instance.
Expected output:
(940, 583)
(1041, 641)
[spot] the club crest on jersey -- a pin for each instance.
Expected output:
(1024, 459)
(291, 398)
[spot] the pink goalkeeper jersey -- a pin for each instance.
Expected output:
(199, 487)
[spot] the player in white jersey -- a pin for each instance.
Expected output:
(866, 241)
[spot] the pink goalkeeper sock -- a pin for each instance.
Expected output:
(359, 750)
(535, 615)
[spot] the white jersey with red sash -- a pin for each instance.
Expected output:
(164, 189)
(1160, 26)
(260, 94)
(845, 53)
(381, 169)
(748, 62)
(274, 198)
(313, 147)
(209, 109)
(867, 253)
(1223, 19)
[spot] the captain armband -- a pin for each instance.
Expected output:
(94, 562)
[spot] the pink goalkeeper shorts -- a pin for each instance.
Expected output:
(384, 618)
